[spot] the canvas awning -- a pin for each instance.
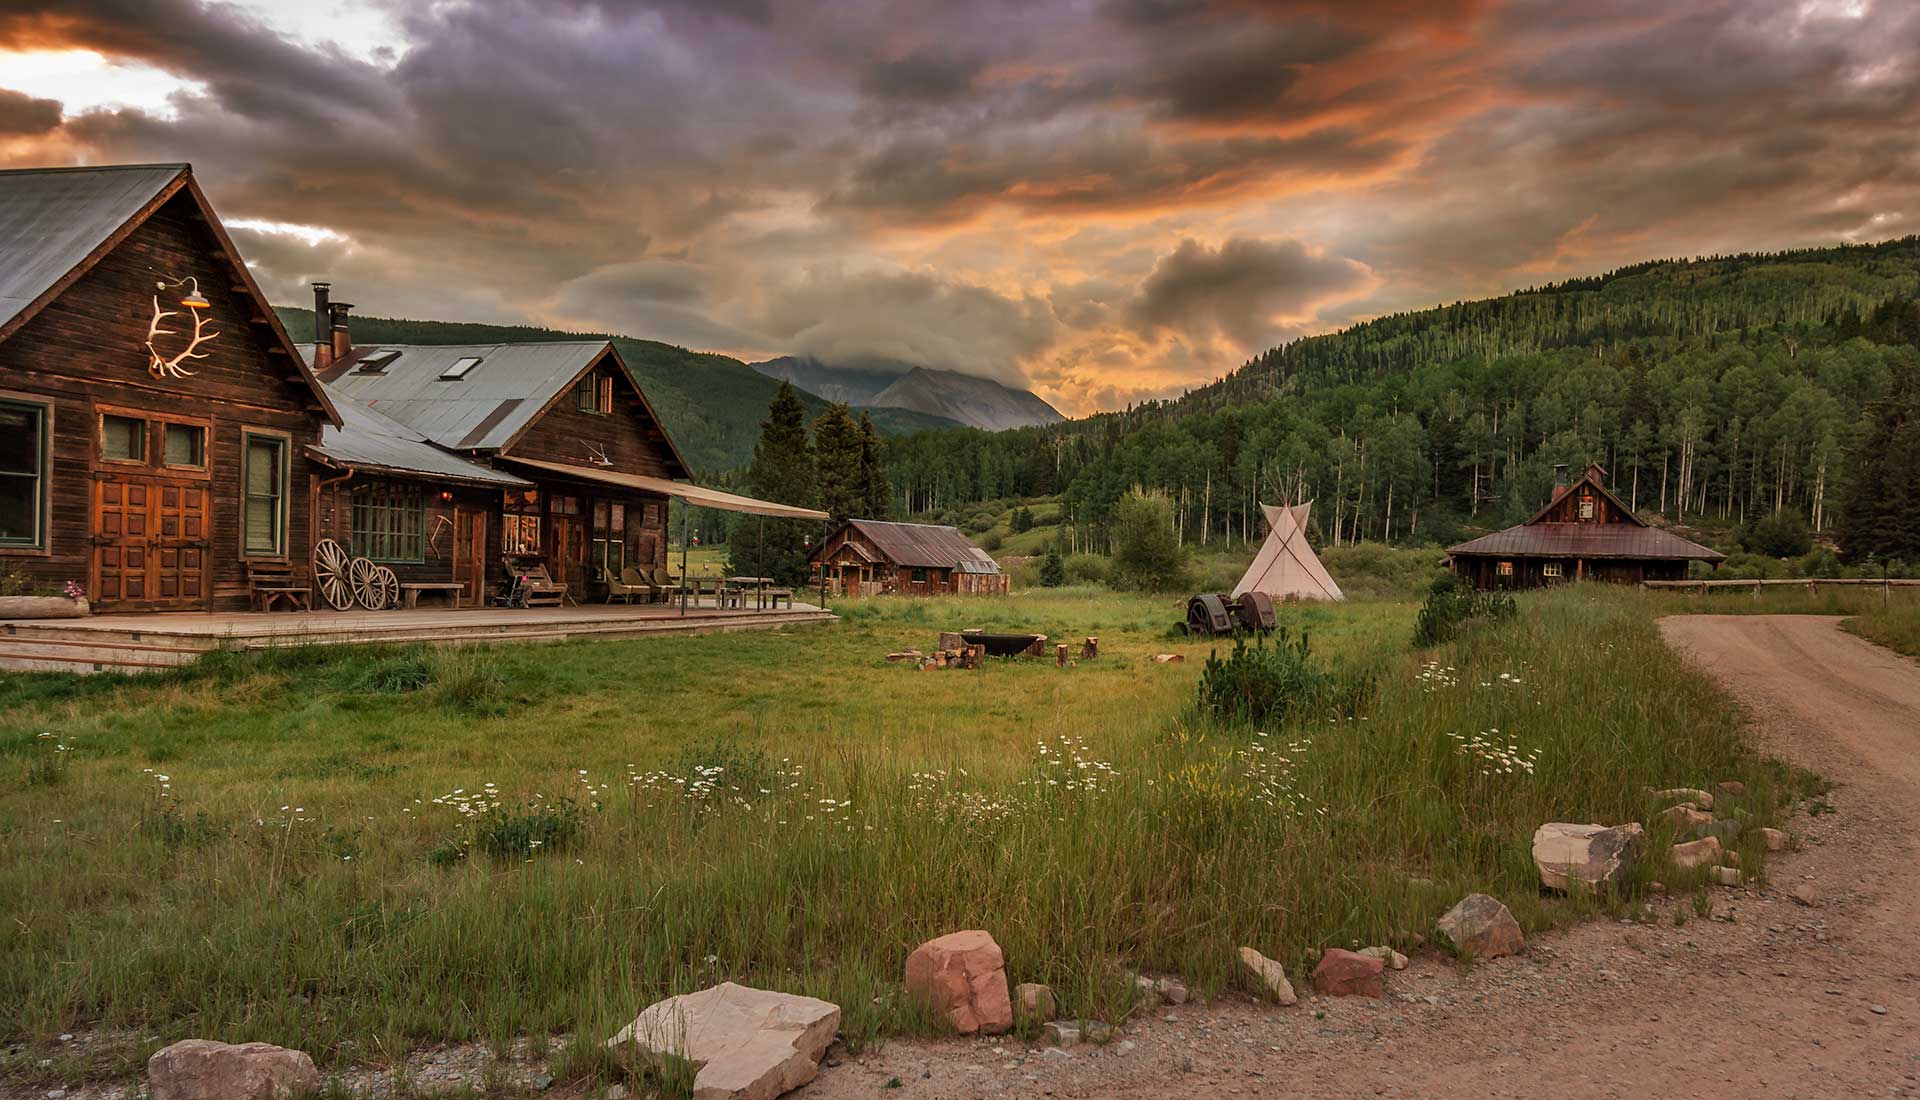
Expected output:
(692, 494)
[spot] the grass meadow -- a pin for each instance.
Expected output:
(357, 851)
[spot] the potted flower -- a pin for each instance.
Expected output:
(21, 598)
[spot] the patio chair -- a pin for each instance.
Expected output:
(628, 585)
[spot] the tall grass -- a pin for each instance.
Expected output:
(1896, 626)
(814, 864)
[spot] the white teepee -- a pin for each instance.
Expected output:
(1286, 566)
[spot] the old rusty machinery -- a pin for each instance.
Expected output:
(1213, 613)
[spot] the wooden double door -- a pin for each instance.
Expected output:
(151, 542)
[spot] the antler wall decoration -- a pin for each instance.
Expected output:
(596, 455)
(161, 366)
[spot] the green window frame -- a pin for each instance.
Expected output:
(264, 477)
(24, 462)
(388, 523)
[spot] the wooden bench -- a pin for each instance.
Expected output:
(771, 598)
(410, 592)
(537, 588)
(272, 582)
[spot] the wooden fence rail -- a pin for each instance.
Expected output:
(1811, 584)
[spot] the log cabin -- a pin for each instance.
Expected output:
(1585, 532)
(162, 440)
(545, 451)
(874, 557)
(154, 416)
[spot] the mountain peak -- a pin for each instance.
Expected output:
(975, 402)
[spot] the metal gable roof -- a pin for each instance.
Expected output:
(485, 408)
(924, 545)
(1586, 540)
(53, 219)
(369, 440)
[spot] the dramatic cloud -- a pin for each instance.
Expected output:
(1109, 201)
(1253, 292)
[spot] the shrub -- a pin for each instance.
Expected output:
(543, 825)
(1266, 684)
(1022, 520)
(1147, 554)
(1053, 571)
(1451, 605)
(1086, 569)
(468, 681)
(1780, 535)
(990, 541)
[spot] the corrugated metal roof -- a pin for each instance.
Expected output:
(925, 546)
(1585, 540)
(484, 409)
(692, 494)
(51, 219)
(371, 441)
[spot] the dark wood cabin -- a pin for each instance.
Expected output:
(874, 557)
(539, 451)
(154, 416)
(1584, 533)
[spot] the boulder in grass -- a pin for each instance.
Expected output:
(746, 1044)
(1349, 974)
(1694, 795)
(1385, 954)
(1775, 840)
(1696, 854)
(1034, 1003)
(1684, 818)
(1586, 858)
(1266, 977)
(963, 977)
(201, 1069)
(1732, 788)
(1169, 658)
(1479, 926)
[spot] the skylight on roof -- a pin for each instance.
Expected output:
(376, 362)
(461, 367)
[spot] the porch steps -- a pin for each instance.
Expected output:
(100, 646)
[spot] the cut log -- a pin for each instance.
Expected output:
(1060, 655)
(1090, 649)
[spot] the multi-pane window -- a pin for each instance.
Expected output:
(388, 521)
(264, 522)
(23, 475)
(594, 393)
(184, 445)
(123, 438)
(1551, 569)
(519, 534)
(1505, 569)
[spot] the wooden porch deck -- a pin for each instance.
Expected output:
(136, 642)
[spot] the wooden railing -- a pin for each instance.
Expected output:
(1811, 584)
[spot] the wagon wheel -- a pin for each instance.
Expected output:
(363, 578)
(388, 585)
(330, 574)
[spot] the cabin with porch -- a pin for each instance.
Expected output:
(545, 452)
(1585, 532)
(874, 557)
(155, 419)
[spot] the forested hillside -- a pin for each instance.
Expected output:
(1715, 390)
(712, 404)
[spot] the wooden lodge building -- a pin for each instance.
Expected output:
(161, 437)
(873, 557)
(1584, 533)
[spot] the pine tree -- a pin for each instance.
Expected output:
(1053, 571)
(837, 448)
(783, 472)
(876, 495)
(1880, 512)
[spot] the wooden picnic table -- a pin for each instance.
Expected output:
(759, 586)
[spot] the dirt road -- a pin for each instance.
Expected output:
(1769, 999)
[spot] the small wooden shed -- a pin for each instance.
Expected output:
(874, 557)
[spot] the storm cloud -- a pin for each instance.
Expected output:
(1109, 202)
